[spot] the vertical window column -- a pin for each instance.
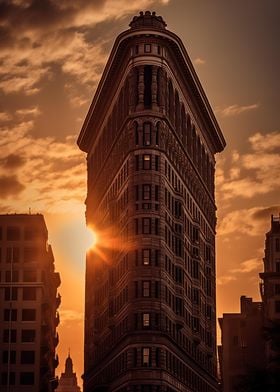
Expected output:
(154, 86)
(141, 87)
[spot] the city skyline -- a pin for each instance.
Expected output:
(58, 64)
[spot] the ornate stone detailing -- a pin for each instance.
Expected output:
(147, 19)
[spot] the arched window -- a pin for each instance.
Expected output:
(177, 113)
(147, 84)
(136, 133)
(157, 134)
(171, 102)
(183, 125)
(147, 132)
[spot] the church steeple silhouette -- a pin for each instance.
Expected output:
(68, 379)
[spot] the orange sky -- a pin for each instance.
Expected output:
(50, 66)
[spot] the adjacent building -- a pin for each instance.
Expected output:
(28, 303)
(68, 379)
(243, 346)
(270, 292)
(150, 136)
(250, 351)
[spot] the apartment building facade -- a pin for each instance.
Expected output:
(28, 303)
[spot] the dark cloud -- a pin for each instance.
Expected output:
(264, 213)
(12, 161)
(65, 163)
(10, 186)
(42, 15)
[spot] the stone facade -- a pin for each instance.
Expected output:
(243, 347)
(28, 302)
(150, 137)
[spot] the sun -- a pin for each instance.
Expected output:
(91, 239)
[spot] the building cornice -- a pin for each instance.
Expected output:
(112, 73)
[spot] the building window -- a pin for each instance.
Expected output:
(146, 225)
(29, 293)
(9, 356)
(11, 276)
(136, 162)
(195, 324)
(146, 319)
(9, 335)
(157, 133)
(156, 162)
(277, 244)
(27, 357)
(31, 233)
(146, 191)
(136, 134)
(4, 378)
(11, 293)
(27, 378)
(147, 134)
(28, 314)
(29, 275)
(147, 162)
(28, 335)
(12, 255)
(156, 226)
(146, 288)
(277, 289)
(277, 306)
(277, 265)
(13, 233)
(147, 86)
(136, 226)
(30, 255)
(10, 314)
(147, 48)
(146, 254)
(156, 192)
(146, 356)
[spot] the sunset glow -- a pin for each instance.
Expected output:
(51, 64)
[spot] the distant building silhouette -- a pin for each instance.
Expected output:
(250, 351)
(150, 137)
(243, 346)
(28, 302)
(270, 292)
(68, 379)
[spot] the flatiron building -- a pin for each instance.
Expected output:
(150, 136)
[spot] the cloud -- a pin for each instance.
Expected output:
(12, 161)
(245, 267)
(235, 110)
(199, 61)
(32, 111)
(252, 222)
(222, 280)
(10, 186)
(268, 142)
(48, 169)
(4, 116)
(248, 266)
(67, 315)
(253, 173)
(49, 32)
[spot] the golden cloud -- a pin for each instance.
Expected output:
(253, 173)
(253, 222)
(235, 110)
(48, 170)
